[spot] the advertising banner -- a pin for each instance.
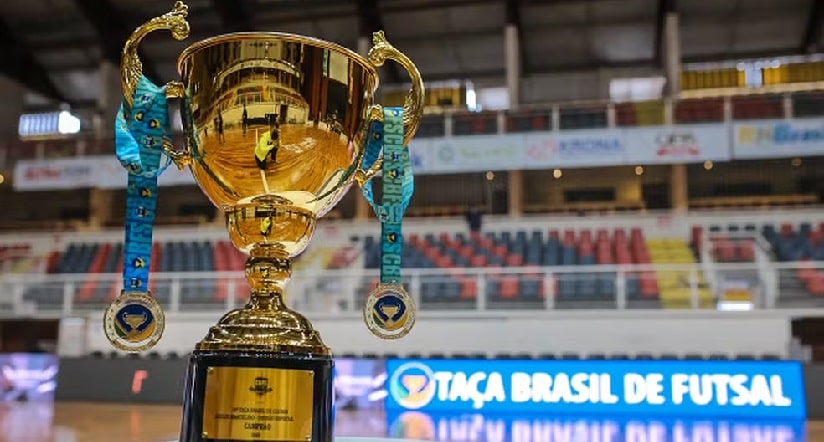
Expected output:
(524, 151)
(778, 138)
(677, 144)
(103, 172)
(579, 148)
(109, 174)
(417, 425)
(27, 377)
(538, 150)
(475, 153)
(59, 174)
(728, 389)
(419, 149)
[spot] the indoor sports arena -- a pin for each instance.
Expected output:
(412, 220)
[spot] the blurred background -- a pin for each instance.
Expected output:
(602, 186)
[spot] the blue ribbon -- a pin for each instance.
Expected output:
(398, 186)
(140, 132)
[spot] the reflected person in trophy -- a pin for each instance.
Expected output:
(267, 147)
(271, 212)
(266, 150)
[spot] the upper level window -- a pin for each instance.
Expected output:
(636, 89)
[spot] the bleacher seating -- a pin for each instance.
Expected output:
(525, 252)
(791, 244)
(106, 258)
(508, 269)
(696, 111)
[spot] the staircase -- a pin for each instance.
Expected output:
(675, 285)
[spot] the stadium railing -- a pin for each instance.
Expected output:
(526, 118)
(677, 286)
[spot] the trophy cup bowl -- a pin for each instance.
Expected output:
(274, 126)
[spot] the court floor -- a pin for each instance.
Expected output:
(101, 422)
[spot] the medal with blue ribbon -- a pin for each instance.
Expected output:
(135, 321)
(389, 312)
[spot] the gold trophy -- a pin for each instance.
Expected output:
(275, 128)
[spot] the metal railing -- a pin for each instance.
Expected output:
(528, 118)
(677, 286)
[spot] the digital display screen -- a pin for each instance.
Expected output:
(28, 377)
(359, 384)
(729, 389)
(661, 389)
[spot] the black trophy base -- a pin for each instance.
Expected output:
(257, 396)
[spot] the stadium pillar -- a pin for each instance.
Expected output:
(361, 206)
(679, 194)
(101, 202)
(109, 99)
(13, 105)
(672, 54)
(516, 192)
(512, 56)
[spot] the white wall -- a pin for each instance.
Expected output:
(580, 332)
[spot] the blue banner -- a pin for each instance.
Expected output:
(475, 427)
(719, 389)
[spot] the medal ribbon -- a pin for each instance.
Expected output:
(398, 186)
(139, 136)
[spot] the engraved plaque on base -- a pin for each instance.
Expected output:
(254, 404)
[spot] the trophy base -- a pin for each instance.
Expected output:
(264, 324)
(258, 396)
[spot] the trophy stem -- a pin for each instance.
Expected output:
(265, 323)
(265, 359)
(268, 270)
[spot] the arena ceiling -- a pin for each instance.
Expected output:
(55, 47)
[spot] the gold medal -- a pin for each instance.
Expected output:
(134, 322)
(389, 312)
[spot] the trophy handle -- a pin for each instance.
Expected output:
(131, 69)
(181, 158)
(412, 104)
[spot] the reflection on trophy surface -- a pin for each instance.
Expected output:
(272, 99)
(275, 127)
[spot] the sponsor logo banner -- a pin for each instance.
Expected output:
(474, 153)
(576, 148)
(103, 172)
(677, 144)
(533, 150)
(538, 150)
(723, 389)
(778, 138)
(68, 173)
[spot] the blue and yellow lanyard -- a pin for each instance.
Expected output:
(139, 136)
(398, 186)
